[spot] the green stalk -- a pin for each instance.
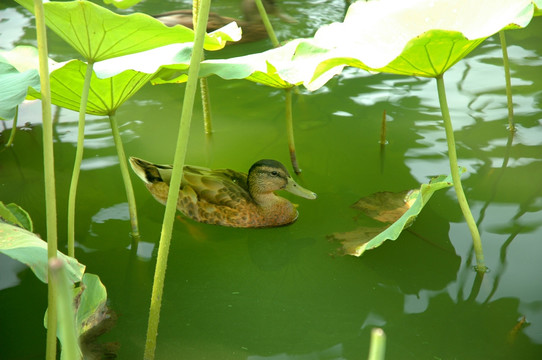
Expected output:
(206, 104)
(290, 131)
(203, 84)
(289, 117)
(377, 350)
(13, 128)
(506, 64)
(66, 318)
(456, 177)
(175, 182)
(48, 172)
(383, 129)
(267, 23)
(78, 160)
(125, 175)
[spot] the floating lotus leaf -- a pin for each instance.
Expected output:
(400, 208)
(99, 34)
(386, 206)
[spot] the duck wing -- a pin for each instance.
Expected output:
(223, 187)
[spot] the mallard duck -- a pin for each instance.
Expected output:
(252, 25)
(227, 197)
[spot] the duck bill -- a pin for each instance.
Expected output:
(298, 190)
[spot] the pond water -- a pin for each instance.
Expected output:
(284, 293)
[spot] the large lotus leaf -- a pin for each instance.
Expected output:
(122, 4)
(105, 95)
(24, 58)
(401, 208)
(420, 37)
(113, 81)
(99, 34)
(276, 67)
(148, 62)
(29, 249)
(14, 87)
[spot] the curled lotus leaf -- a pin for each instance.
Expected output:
(399, 209)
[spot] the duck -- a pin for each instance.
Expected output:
(228, 197)
(252, 25)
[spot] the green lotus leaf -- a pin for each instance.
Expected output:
(91, 304)
(14, 88)
(99, 34)
(122, 4)
(105, 95)
(15, 215)
(148, 62)
(386, 207)
(28, 248)
(421, 37)
(275, 67)
(113, 81)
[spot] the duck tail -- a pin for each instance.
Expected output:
(148, 172)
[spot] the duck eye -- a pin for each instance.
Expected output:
(274, 173)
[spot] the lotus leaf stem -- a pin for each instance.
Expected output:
(383, 129)
(175, 182)
(290, 131)
(125, 175)
(13, 128)
(206, 105)
(78, 160)
(267, 23)
(48, 172)
(506, 63)
(289, 118)
(66, 318)
(203, 84)
(377, 350)
(456, 177)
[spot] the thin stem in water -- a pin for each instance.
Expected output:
(206, 104)
(289, 117)
(78, 160)
(290, 131)
(203, 84)
(13, 128)
(456, 177)
(175, 182)
(48, 172)
(267, 23)
(125, 175)
(506, 64)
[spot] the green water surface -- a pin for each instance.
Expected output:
(284, 293)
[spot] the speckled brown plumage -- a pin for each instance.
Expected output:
(227, 197)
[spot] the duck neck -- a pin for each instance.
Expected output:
(264, 199)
